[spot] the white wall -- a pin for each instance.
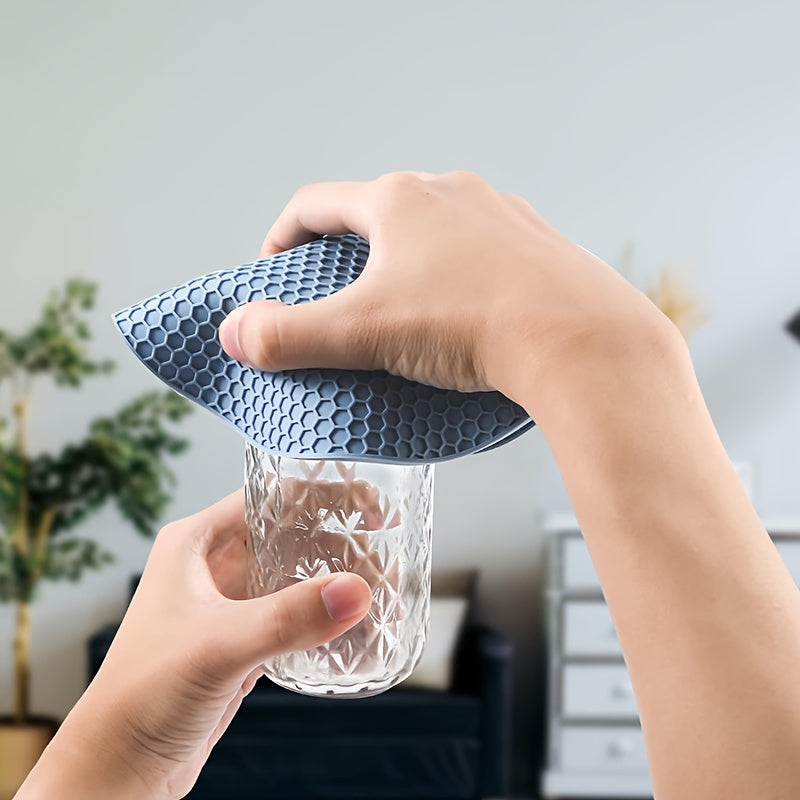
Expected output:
(143, 144)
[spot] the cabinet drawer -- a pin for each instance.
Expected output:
(578, 569)
(588, 629)
(790, 553)
(603, 749)
(597, 691)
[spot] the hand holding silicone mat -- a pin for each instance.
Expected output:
(323, 413)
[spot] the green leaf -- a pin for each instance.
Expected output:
(123, 459)
(56, 344)
(17, 576)
(70, 558)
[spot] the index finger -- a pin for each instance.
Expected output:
(215, 525)
(317, 209)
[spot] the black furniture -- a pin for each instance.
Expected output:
(402, 744)
(793, 326)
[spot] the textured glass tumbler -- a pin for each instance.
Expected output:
(310, 518)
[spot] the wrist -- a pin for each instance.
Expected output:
(589, 367)
(90, 757)
(636, 446)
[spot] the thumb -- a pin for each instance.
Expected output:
(301, 616)
(272, 336)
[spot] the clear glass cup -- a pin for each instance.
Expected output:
(309, 518)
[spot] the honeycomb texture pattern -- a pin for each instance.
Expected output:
(316, 413)
(312, 518)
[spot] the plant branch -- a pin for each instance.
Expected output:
(22, 662)
(43, 530)
(21, 531)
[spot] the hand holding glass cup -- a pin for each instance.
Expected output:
(309, 518)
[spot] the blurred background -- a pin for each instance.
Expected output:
(146, 143)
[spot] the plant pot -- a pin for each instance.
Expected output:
(20, 748)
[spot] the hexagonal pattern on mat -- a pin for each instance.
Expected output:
(308, 413)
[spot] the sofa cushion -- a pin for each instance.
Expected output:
(412, 712)
(435, 668)
(454, 583)
(252, 767)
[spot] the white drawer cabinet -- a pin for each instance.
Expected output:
(603, 749)
(577, 569)
(595, 744)
(588, 629)
(597, 691)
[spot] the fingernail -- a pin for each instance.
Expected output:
(341, 598)
(229, 335)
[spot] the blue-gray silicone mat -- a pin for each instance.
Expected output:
(307, 413)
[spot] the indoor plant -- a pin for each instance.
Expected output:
(44, 496)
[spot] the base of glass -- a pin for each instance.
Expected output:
(359, 689)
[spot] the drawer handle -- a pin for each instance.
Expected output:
(620, 748)
(622, 691)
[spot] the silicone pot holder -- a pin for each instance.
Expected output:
(308, 413)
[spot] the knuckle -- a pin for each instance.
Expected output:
(300, 195)
(518, 201)
(268, 351)
(281, 625)
(399, 186)
(299, 200)
(167, 532)
(366, 334)
(465, 178)
(169, 536)
(266, 346)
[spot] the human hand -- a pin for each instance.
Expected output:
(188, 651)
(469, 288)
(465, 287)
(310, 525)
